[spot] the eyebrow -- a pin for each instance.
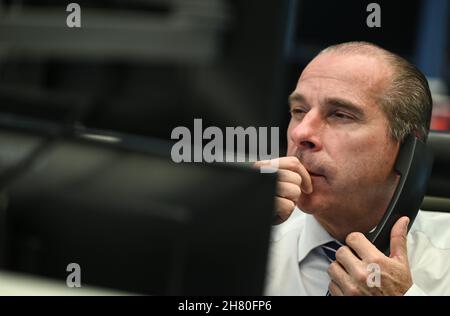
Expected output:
(296, 97)
(346, 105)
(331, 102)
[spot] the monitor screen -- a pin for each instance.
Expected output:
(316, 24)
(132, 219)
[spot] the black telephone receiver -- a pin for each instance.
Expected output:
(414, 163)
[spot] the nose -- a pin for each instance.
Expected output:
(306, 134)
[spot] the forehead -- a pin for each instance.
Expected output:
(359, 77)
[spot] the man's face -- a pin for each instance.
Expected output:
(340, 134)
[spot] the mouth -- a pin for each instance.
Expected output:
(314, 172)
(317, 176)
(314, 168)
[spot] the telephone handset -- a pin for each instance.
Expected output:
(414, 163)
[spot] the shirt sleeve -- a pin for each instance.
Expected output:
(415, 290)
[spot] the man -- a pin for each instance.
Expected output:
(353, 105)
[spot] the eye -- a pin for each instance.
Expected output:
(342, 116)
(297, 111)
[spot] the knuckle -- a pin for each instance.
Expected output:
(298, 179)
(283, 211)
(352, 291)
(296, 191)
(280, 185)
(283, 186)
(292, 161)
(288, 191)
(292, 165)
(284, 216)
(287, 206)
(361, 276)
(332, 267)
(374, 258)
(353, 237)
(290, 204)
(341, 251)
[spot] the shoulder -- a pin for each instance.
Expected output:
(435, 226)
(429, 252)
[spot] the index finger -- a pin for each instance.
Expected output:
(361, 245)
(295, 165)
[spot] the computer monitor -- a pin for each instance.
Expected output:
(130, 217)
(316, 24)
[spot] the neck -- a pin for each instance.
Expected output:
(341, 227)
(341, 222)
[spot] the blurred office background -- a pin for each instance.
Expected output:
(146, 66)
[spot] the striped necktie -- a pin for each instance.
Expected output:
(330, 249)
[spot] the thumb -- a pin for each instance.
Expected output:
(398, 238)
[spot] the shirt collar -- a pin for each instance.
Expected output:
(311, 236)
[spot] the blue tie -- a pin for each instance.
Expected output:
(330, 249)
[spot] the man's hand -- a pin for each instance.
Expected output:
(293, 179)
(349, 274)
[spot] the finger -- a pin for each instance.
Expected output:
(334, 289)
(343, 280)
(363, 248)
(289, 191)
(289, 176)
(351, 263)
(260, 163)
(293, 164)
(272, 164)
(339, 275)
(399, 238)
(283, 208)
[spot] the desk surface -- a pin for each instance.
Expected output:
(12, 284)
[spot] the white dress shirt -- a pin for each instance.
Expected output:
(298, 267)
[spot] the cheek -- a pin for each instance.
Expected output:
(381, 153)
(367, 162)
